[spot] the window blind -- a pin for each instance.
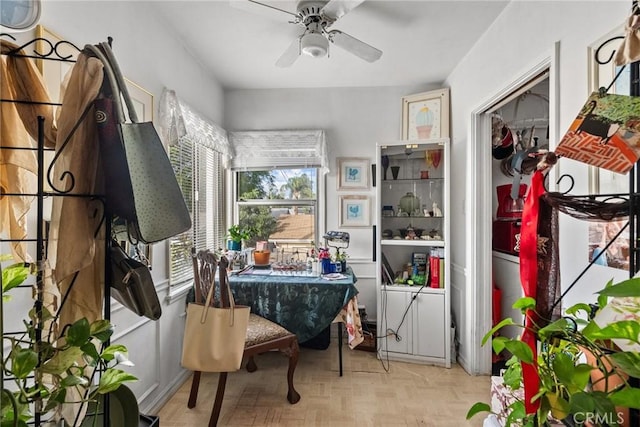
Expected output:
(198, 151)
(279, 148)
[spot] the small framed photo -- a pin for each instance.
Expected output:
(355, 211)
(426, 115)
(353, 173)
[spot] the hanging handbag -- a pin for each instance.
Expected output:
(214, 337)
(132, 285)
(141, 186)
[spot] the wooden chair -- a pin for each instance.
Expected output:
(262, 334)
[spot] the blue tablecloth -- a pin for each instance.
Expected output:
(305, 305)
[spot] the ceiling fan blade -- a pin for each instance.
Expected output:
(290, 55)
(336, 8)
(355, 46)
(260, 8)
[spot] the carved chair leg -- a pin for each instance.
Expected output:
(193, 396)
(292, 352)
(251, 365)
(217, 404)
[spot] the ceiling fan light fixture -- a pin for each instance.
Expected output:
(314, 44)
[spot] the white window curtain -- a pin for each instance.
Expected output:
(178, 119)
(279, 148)
(198, 151)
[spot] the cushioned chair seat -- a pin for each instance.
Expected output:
(261, 330)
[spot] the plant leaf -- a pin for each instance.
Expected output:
(628, 362)
(90, 350)
(560, 408)
(79, 333)
(71, 380)
(628, 397)
(575, 309)
(102, 330)
(553, 328)
(23, 362)
(14, 275)
(111, 379)
(109, 353)
(477, 408)
(627, 288)
(62, 361)
(498, 344)
(520, 350)
(581, 403)
(525, 303)
(623, 329)
(504, 322)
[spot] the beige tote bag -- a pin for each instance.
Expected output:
(214, 337)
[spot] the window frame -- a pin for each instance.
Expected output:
(213, 178)
(318, 203)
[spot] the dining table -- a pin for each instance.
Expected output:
(304, 302)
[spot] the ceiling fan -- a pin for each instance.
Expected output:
(317, 17)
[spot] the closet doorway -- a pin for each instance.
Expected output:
(519, 117)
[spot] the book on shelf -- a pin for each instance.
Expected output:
(436, 264)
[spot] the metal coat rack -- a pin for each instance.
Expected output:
(50, 52)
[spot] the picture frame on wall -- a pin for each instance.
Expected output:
(355, 211)
(426, 115)
(353, 173)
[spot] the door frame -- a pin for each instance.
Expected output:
(480, 195)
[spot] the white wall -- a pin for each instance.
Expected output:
(520, 38)
(354, 120)
(151, 56)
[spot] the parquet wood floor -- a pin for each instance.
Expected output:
(366, 395)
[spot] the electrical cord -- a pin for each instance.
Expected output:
(388, 331)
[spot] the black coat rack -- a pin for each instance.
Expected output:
(45, 50)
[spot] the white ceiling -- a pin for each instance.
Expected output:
(422, 41)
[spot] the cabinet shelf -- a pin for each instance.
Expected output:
(415, 242)
(411, 216)
(410, 180)
(413, 288)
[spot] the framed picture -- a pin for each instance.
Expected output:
(426, 115)
(54, 72)
(353, 173)
(355, 211)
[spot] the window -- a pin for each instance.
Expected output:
(278, 188)
(280, 205)
(199, 152)
(200, 174)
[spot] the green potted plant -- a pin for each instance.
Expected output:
(584, 377)
(235, 236)
(56, 365)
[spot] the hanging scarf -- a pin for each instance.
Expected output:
(529, 280)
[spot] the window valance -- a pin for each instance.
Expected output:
(177, 119)
(279, 148)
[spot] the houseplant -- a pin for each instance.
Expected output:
(567, 389)
(235, 236)
(59, 365)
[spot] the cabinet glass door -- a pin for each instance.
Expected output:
(412, 192)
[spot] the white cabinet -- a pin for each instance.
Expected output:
(412, 251)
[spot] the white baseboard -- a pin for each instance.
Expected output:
(163, 397)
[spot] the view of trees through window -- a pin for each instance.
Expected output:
(279, 205)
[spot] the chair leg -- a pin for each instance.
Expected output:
(251, 365)
(292, 352)
(193, 396)
(217, 404)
